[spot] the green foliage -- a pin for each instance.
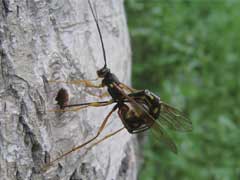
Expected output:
(188, 52)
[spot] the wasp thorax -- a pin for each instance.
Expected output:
(151, 95)
(103, 72)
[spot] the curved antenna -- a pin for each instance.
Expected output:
(100, 34)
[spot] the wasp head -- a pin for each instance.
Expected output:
(103, 72)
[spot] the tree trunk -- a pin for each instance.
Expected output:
(42, 40)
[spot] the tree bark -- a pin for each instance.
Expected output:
(42, 40)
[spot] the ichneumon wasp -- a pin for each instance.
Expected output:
(138, 110)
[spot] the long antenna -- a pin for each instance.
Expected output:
(100, 34)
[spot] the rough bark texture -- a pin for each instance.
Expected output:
(43, 40)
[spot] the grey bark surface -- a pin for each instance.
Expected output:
(43, 40)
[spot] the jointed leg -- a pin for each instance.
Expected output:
(84, 144)
(87, 83)
(105, 94)
(82, 106)
(77, 82)
(106, 137)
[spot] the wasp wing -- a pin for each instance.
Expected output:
(162, 135)
(156, 127)
(173, 118)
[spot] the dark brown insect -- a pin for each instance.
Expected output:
(62, 98)
(139, 110)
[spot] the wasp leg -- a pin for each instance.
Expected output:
(106, 137)
(85, 143)
(82, 106)
(124, 86)
(87, 83)
(105, 94)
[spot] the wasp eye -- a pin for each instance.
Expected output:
(102, 72)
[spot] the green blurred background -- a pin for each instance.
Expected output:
(188, 52)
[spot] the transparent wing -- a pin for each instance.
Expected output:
(173, 118)
(163, 137)
(156, 126)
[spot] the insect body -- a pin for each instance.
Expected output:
(138, 110)
(132, 121)
(134, 109)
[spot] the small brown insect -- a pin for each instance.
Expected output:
(62, 98)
